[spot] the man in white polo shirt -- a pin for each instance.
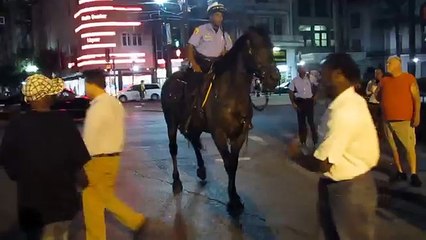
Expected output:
(104, 134)
(348, 150)
(302, 98)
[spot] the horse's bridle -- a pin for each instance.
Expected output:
(261, 75)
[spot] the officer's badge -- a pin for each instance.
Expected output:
(197, 30)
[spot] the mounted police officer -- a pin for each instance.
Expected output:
(209, 41)
(207, 44)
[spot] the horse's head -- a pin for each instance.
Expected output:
(259, 57)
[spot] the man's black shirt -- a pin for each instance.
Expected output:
(42, 152)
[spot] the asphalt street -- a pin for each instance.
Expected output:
(279, 196)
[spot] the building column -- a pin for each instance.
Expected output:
(337, 22)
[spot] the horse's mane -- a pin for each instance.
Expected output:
(230, 57)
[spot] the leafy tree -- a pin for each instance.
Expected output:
(11, 76)
(48, 62)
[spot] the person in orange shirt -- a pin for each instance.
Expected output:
(400, 102)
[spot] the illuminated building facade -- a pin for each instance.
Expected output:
(112, 37)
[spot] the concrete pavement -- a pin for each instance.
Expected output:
(279, 195)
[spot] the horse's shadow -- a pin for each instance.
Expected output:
(250, 224)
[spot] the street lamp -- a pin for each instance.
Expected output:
(161, 2)
(135, 68)
(31, 68)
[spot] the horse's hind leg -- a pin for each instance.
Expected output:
(196, 144)
(173, 148)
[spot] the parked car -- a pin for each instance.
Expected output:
(66, 101)
(282, 88)
(133, 93)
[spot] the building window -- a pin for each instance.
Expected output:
(356, 44)
(355, 20)
(306, 32)
(320, 36)
(304, 8)
(305, 28)
(131, 39)
(321, 8)
(278, 26)
(263, 22)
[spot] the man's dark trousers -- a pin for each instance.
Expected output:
(305, 112)
(347, 209)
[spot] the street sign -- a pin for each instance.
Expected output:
(280, 55)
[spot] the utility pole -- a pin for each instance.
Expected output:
(412, 36)
(184, 22)
(338, 43)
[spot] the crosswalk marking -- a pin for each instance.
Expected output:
(239, 159)
(258, 139)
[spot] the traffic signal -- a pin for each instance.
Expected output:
(107, 55)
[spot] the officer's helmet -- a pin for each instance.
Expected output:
(216, 7)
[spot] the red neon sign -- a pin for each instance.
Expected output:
(100, 45)
(103, 61)
(105, 8)
(117, 55)
(107, 24)
(97, 34)
(87, 1)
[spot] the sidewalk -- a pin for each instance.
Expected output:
(274, 100)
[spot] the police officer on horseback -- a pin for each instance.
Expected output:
(209, 41)
(207, 44)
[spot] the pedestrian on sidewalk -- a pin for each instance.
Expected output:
(104, 133)
(372, 91)
(400, 103)
(302, 97)
(42, 151)
(348, 150)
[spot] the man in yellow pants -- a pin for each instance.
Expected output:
(104, 137)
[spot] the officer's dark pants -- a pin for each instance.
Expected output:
(346, 209)
(305, 112)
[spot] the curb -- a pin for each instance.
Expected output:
(406, 193)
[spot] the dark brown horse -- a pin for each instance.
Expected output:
(228, 110)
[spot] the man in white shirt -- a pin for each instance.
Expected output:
(348, 150)
(104, 137)
(302, 98)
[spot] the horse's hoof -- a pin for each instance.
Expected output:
(201, 173)
(235, 208)
(177, 187)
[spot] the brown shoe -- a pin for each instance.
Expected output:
(137, 235)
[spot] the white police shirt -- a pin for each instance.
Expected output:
(302, 87)
(348, 138)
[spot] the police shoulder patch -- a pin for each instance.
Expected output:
(197, 30)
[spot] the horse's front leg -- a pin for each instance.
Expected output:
(235, 205)
(230, 160)
(196, 144)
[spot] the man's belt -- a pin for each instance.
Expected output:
(204, 62)
(107, 155)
